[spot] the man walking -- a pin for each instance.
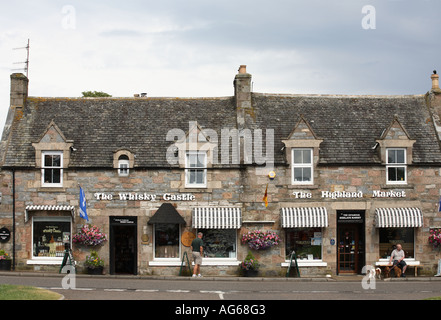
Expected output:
(197, 251)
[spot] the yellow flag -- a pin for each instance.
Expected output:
(265, 197)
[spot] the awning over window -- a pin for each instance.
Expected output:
(49, 208)
(304, 217)
(217, 218)
(398, 217)
(167, 213)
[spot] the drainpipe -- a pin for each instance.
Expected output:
(13, 219)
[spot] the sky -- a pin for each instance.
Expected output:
(193, 48)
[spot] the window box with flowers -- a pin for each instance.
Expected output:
(89, 235)
(261, 240)
(5, 261)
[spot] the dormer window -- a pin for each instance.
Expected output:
(302, 166)
(396, 166)
(123, 166)
(52, 169)
(196, 169)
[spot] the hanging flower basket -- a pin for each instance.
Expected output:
(261, 240)
(435, 237)
(89, 235)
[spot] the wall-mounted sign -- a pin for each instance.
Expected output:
(187, 238)
(349, 217)
(5, 234)
(145, 196)
(334, 195)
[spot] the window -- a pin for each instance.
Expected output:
(196, 169)
(123, 166)
(219, 243)
(306, 242)
(167, 240)
(396, 169)
(52, 171)
(302, 166)
(390, 237)
(49, 235)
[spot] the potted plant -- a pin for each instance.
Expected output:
(94, 263)
(250, 266)
(5, 261)
(260, 240)
(89, 235)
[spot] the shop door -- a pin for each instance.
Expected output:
(123, 245)
(350, 239)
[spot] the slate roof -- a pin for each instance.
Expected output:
(349, 125)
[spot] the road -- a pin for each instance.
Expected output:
(131, 288)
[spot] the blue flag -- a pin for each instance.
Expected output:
(83, 212)
(439, 205)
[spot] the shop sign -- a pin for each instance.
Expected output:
(349, 217)
(145, 196)
(5, 234)
(346, 194)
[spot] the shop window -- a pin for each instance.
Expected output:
(123, 166)
(196, 170)
(396, 168)
(167, 240)
(52, 169)
(49, 235)
(219, 243)
(306, 242)
(302, 166)
(390, 237)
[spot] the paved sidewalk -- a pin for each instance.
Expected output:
(343, 278)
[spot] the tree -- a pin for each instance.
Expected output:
(95, 94)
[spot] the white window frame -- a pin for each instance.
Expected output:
(187, 170)
(396, 165)
(123, 168)
(48, 260)
(43, 168)
(302, 165)
(162, 259)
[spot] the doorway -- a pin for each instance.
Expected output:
(350, 240)
(123, 245)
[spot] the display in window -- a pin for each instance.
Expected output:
(166, 240)
(219, 243)
(390, 237)
(49, 238)
(306, 242)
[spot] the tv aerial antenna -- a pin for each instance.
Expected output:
(26, 63)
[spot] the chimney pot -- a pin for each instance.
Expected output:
(242, 69)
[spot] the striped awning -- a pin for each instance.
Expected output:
(217, 218)
(398, 217)
(304, 217)
(49, 208)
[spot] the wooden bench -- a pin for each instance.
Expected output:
(410, 263)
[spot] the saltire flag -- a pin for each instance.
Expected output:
(439, 205)
(83, 211)
(265, 197)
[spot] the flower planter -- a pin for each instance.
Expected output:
(5, 265)
(250, 273)
(95, 271)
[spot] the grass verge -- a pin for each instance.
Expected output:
(13, 292)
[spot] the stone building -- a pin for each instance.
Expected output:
(347, 178)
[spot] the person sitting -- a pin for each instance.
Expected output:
(397, 256)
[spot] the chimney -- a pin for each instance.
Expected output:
(435, 82)
(242, 95)
(19, 90)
